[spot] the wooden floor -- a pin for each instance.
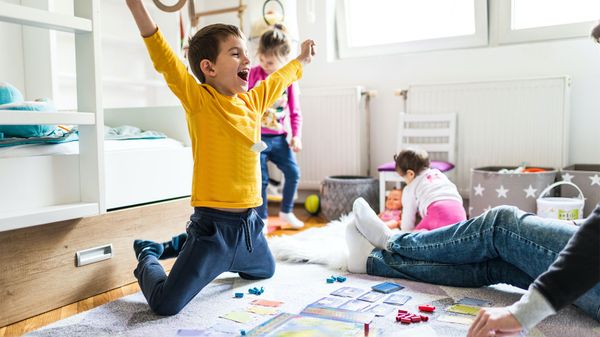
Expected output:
(36, 322)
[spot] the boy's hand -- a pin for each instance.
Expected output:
(307, 51)
(142, 18)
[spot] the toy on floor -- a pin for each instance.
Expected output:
(392, 214)
(406, 317)
(312, 204)
(387, 287)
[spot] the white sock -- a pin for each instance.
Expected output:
(369, 224)
(291, 220)
(359, 249)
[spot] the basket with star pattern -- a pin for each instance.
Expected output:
(490, 188)
(587, 177)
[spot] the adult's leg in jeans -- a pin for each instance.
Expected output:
(202, 259)
(264, 168)
(528, 242)
(479, 274)
(282, 156)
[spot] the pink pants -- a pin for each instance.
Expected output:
(442, 213)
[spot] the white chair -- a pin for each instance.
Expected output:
(435, 134)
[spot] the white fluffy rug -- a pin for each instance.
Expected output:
(323, 245)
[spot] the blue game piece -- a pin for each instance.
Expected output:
(239, 295)
(243, 332)
(341, 279)
(330, 280)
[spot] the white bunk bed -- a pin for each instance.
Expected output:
(135, 171)
(94, 178)
(89, 190)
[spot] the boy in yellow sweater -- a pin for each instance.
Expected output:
(224, 233)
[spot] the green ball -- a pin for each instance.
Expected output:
(312, 204)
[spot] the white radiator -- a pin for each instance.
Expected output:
(501, 122)
(335, 134)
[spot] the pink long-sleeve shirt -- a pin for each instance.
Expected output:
(274, 118)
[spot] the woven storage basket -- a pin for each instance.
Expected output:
(339, 192)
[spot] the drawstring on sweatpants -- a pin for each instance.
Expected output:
(246, 229)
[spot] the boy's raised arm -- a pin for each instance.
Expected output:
(144, 21)
(165, 61)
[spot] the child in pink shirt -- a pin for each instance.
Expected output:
(428, 192)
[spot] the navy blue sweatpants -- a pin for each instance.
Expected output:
(217, 242)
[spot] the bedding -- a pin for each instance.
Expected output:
(73, 147)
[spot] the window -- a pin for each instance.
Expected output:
(396, 26)
(536, 20)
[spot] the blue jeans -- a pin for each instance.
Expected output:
(279, 152)
(217, 242)
(504, 245)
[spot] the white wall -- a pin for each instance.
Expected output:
(577, 58)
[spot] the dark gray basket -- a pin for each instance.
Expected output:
(339, 192)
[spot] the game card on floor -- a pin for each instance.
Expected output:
(380, 309)
(331, 302)
(397, 299)
(354, 305)
(371, 296)
(348, 292)
(474, 302)
(464, 309)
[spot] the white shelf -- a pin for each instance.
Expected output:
(14, 117)
(43, 19)
(33, 217)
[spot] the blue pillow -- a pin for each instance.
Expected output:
(27, 131)
(9, 94)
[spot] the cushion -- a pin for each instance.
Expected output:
(443, 166)
(27, 131)
(9, 94)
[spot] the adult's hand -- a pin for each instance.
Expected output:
(494, 322)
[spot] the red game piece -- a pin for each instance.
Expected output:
(424, 318)
(400, 311)
(427, 308)
(366, 329)
(415, 319)
(405, 320)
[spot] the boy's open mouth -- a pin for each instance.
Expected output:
(243, 75)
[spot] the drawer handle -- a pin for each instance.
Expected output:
(87, 256)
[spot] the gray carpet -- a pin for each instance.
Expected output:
(297, 285)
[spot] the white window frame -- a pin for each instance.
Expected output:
(507, 35)
(479, 39)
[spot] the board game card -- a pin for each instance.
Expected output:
(371, 296)
(354, 305)
(396, 299)
(387, 287)
(348, 292)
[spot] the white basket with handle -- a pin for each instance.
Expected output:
(560, 207)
